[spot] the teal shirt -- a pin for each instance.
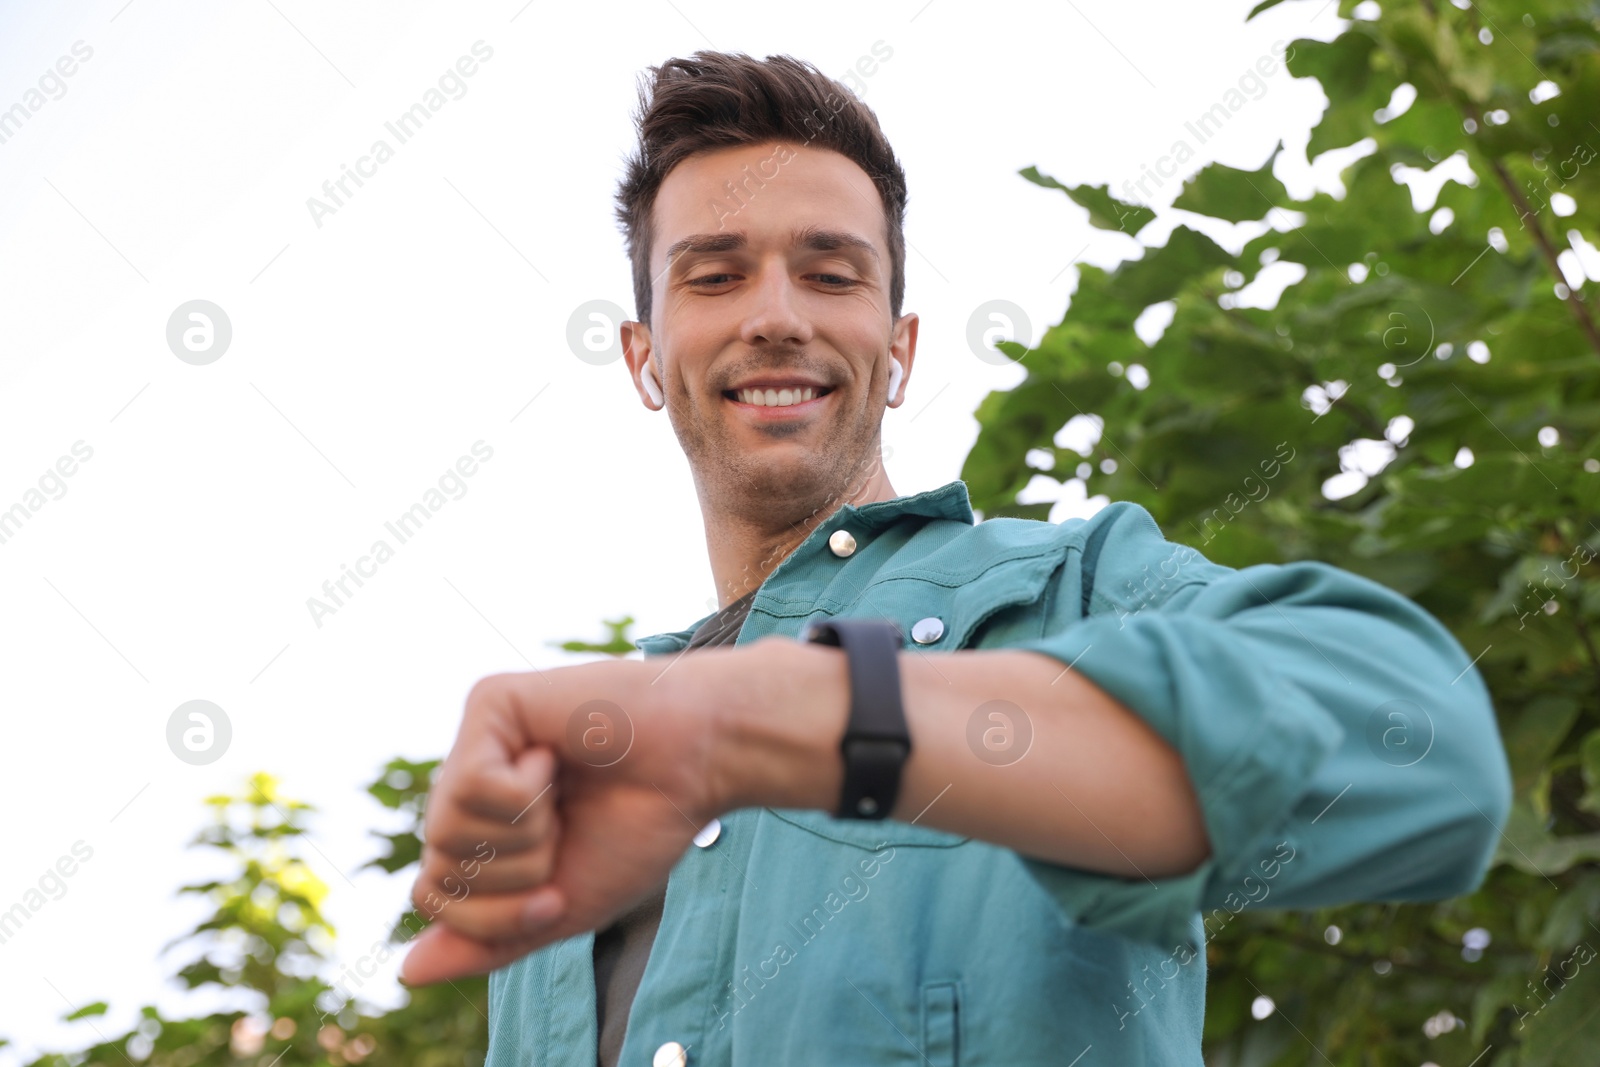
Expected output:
(1341, 743)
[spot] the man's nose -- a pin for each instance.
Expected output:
(774, 314)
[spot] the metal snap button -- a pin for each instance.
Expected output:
(842, 543)
(671, 1054)
(927, 631)
(708, 833)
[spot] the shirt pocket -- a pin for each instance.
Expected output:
(944, 611)
(1002, 604)
(941, 1023)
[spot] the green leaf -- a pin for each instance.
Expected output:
(1259, 8)
(1589, 755)
(618, 644)
(1106, 212)
(1537, 734)
(403, 783)
(1532, 849)
(1187, 256)
(1225, 192)
(1565, 1028)
(1345, 69)
(404, 850)
(87, 1011)
(1568, 921)
(1491, 998)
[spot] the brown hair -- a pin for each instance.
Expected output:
(725, 99)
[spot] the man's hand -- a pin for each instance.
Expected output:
(568, 795)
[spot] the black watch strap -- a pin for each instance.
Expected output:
(876, 742)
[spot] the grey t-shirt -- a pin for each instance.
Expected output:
(622, 949)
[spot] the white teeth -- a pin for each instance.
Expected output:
(777, 397)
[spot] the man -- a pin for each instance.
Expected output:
(1114, 744)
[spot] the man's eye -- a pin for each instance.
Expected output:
(835, 281)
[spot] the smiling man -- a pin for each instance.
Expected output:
(958, 791)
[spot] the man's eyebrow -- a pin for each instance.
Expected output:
(823, 240)
(813, 237)
(706, 242)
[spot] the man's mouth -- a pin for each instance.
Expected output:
(776, 402)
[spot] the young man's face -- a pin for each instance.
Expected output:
(786, 291)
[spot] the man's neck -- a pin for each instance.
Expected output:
(746, 546)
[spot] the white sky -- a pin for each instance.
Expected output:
(372, 352)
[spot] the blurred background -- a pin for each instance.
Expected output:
(1148, 254)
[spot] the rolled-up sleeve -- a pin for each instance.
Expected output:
(1342, 745)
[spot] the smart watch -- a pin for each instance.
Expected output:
(876, 742)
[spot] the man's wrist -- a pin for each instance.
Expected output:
(779, 709)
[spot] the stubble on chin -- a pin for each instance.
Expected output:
(766, 488)
(755, 482)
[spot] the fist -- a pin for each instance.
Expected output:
(569, 794)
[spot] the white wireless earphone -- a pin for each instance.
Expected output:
(896, 373)
(652, 386)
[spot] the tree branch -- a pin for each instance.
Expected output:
(1579, 309)
(1525, 212)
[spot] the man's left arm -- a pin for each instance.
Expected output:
(1200, 738)
(1286, 733)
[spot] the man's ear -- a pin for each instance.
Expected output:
(902, 350)
(636, 349)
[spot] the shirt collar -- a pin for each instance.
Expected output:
(949, 501)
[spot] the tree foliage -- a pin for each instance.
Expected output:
(267, 945)
(1440, 364)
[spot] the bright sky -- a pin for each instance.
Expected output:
(428, 313)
